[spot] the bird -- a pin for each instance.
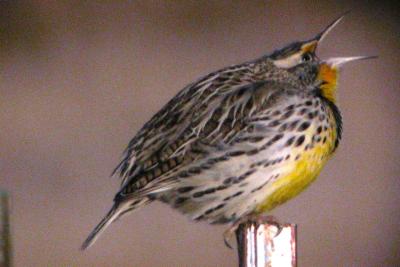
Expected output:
(237, 142)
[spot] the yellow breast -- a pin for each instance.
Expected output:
(301, 172)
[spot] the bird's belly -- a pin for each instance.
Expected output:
(299, 175)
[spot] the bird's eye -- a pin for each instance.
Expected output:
(306, 57)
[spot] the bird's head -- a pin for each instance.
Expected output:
(301, 58)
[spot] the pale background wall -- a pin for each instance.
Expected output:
(78, 80)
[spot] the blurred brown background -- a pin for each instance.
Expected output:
(77, 80)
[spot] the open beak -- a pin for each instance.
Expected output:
(337, 62)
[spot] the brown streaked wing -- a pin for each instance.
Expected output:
(159, 135)
(211, 128)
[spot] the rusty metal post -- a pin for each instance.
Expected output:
(261, 244)
(5, 242)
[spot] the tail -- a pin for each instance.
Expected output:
(117, 210)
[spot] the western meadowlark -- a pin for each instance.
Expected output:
(238, 141)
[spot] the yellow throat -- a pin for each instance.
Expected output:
(328, 75)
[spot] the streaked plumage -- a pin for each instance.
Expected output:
(238, 141)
